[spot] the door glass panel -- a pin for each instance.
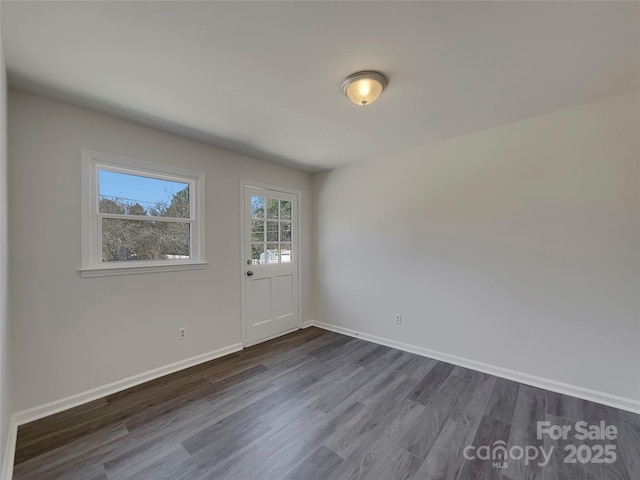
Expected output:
(272, 253)
(257, 254)
(285, 210)
(285, 231)
(257, 207)
(271, 231)
(285, 253)
(272, 226)
(257, 226)
(257, 231)
(272, 208)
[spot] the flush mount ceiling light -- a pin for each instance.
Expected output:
(363, 88)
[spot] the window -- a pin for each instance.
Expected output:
(270, 230)
(139, 217)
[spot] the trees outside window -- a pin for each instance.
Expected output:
(142, 214)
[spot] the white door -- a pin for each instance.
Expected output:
(270, 263)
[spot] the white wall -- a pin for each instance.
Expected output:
(517, 246)
(5, 372)
(72, 334)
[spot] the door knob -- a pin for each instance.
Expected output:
(249, 273)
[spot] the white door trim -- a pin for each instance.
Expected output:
(298, 194)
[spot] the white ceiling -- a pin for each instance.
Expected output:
(264, 78)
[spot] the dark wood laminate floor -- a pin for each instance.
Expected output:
(317, 405)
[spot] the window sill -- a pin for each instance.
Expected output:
(107, 271)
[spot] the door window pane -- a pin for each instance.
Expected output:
(272, 208)
(257, 207)
(285, 253)
(285, 210)
(285, 231)
(257, 231)
(272, 253)
(272, 231)
(257, 226)
(257, 254)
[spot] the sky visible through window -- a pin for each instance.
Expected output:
(137, 189)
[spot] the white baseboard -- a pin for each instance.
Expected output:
(308, 323)
(50, 408)
(622, 403)
(47, 409)
(9, 451)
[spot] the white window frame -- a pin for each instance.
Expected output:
(92, 264)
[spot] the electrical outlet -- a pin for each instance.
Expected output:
(182, 333)
(397, 318)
